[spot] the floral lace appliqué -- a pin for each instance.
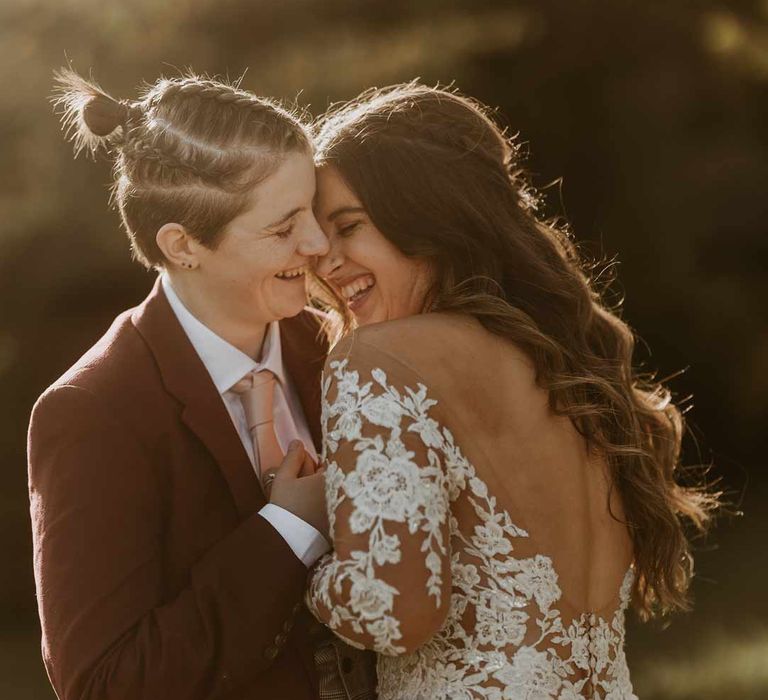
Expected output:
(503, 637)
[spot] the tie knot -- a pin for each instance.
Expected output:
(257, 390)
(261, 379)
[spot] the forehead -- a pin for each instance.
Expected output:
(332, 192)
(290, 186)
(294, 176)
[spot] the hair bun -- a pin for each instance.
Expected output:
(102, 115)
(89, 115)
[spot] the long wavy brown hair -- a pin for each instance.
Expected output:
(442, 182)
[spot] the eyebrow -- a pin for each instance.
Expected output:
(285, 218)
(344, 210)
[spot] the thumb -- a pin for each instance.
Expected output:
(292, 462)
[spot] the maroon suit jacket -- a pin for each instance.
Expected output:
(156, 577)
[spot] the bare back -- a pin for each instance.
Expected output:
(534, 461)
(475, 545)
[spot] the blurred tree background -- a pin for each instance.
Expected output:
(653, 113)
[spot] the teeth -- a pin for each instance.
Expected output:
(359, 285)
(296, 272)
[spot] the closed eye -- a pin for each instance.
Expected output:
(285, 232)
(347, 230)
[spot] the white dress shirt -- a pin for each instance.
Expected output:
(227, 365)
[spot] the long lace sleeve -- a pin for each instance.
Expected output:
(386, 584)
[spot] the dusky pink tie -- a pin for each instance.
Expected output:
(257, 391)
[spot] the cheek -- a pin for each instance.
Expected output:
(406, 272)
(416, 282)
(412, 281)
(262, 264)
(246, 277)
(375, 253)
(358, 251)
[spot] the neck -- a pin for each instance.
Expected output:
(217, 316)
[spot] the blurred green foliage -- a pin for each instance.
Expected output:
(654, 114)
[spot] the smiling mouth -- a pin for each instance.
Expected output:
(357, 291)
(293, 274)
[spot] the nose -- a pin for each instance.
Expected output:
(332, 260)
(313, 243)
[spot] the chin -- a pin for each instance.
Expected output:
(292, 306)
(290, 312)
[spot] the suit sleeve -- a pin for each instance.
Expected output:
(98, 532)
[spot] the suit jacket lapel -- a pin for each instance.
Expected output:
(304, 353)
(204, 412)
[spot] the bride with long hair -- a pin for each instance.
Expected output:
(502, 484)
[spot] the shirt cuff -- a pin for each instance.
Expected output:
(305, 542)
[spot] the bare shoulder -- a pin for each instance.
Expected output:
(441, 348)
(412, 339)
(479, 375)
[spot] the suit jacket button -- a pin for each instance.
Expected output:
(270, 652)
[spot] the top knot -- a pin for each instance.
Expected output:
(102, 115)
(89, 115)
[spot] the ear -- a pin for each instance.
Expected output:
(180, 249)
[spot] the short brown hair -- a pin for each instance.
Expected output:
(187, 151)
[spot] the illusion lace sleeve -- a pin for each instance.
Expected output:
(386, 584)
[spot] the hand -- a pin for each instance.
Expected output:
(300, 488)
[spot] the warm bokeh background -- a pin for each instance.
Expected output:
(654, 113)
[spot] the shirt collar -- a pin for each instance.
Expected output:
(225, 363)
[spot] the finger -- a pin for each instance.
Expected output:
(292, 463)
(309, 467)
(313, 477)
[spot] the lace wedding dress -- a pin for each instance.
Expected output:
(428, 569)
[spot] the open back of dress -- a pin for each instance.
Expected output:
(479, 546)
